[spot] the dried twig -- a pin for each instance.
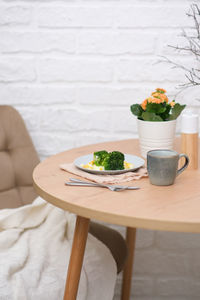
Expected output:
(193, 47)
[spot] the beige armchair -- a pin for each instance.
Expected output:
(18, 158)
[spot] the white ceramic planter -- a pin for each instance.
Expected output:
(156, 135)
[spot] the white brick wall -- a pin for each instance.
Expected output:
(72, 69)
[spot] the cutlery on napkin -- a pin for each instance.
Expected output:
(114, 188)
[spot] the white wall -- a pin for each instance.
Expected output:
(72, 69)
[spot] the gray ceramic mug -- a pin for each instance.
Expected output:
(162, 166)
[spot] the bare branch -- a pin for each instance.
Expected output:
(192, 74)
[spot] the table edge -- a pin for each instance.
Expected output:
(116, 220)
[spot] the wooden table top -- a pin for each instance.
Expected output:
(173, 208)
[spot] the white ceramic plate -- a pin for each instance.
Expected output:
(135, 160)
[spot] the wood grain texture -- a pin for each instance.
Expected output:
(76, 259)
(189, 146)
(127, 273)
(171, 208)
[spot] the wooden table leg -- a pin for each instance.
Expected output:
(127, 273)
(76, 259)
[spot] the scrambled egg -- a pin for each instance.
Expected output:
(128, 166)
(92, 166)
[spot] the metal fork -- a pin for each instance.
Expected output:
(115, 188)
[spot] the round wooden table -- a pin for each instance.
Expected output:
(171, 208)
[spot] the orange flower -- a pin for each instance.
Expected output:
(166, 98)
(156, 97)
(144, 104)
(155, 94)
(163, 97)
(172, 103)
(160, 90)
(155, 100)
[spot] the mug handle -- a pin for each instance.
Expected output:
(185, 164)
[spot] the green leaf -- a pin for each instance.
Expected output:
(149, 116)
(176, 111)
(136, 109)
(156, 108)
(165, 115)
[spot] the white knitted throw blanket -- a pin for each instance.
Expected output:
(35, 245)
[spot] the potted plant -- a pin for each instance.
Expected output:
(156, 121)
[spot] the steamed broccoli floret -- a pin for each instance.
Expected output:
(114, 161)
(99, 157)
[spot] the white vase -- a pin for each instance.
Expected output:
(156, 135)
